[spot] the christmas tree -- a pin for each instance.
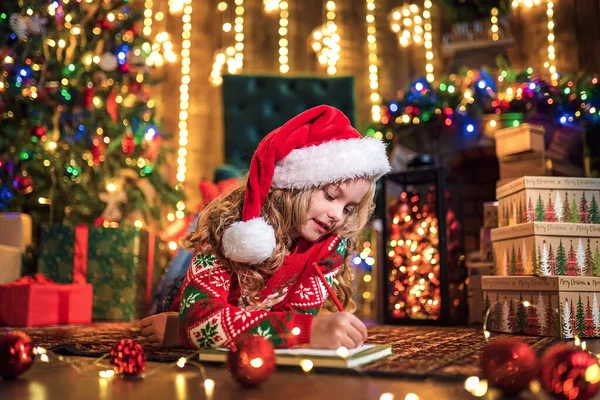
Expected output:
(567, 331)
(580, 318)
(530, 213)
(513, 261)
(520, 214)
(521, 316)
(597, 260)
(594, 212)
(589, 320)
(561, 259)
(574, 211)
(79, 124)
(550, 320)
(486, 304)
(596, 315)
(581, 258)
(541, 312)
(512, 325)
(540, 211)
(573, 318)
(533, 324)
(567, 217)
(558, 206)
(526, 265)
(550, 215)
(505, 321)
(551, 261)
(572, 262)
(584, 212)
(545, 261)
(519, 267)
(589, 260)
(523, 209)
(534, 263)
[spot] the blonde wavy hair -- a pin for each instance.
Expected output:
(285, 210)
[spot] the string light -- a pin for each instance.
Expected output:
(551, 49)
(184, 95)
(239, 34)
(334, 40)
(494, 27)
(428, 40)
(284, 66)
(176, 6)
(161, 50)
(375, 98)
(271, 5)
(408, 24)
(147, 31)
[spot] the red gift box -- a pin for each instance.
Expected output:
(39, 301)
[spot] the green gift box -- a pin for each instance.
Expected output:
(121, 263)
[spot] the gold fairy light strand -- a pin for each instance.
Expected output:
(284, 66)
(373, 69)
(184, 97)
(239, 34)
(333, 42)
(551, 49)
(494, 22)
(147, 31)
(428, 40)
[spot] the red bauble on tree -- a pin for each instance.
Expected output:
(252, 361)
(23, 184)
(124, 68)
(563, 374)
(88, 97)
(96, 151)
(38, 131)
(509, 365)
(16, 354)
(128, 358)
(128, 144)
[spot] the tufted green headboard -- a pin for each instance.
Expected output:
(255, 105)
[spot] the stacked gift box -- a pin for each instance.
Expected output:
(547, 258)
(121, 263)
(37, 300)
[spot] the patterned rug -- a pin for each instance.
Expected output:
(419, 352)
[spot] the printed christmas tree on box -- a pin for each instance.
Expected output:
(549, 199)
(548, 306)
(547, 249)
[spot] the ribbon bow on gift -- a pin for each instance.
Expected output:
(37, 278)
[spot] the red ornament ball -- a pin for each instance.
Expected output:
(38, 131)
(563, 374)
(252, 361)
(509, 365)
(128, 358)
(128, 145)
(16, 354)
(23, 184)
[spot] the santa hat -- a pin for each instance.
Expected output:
(314, 148)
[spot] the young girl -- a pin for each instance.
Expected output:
(309, 193)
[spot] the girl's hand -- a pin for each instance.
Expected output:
(335, 330)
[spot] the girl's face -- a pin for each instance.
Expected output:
(331, 205)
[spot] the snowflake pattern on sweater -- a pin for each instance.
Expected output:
(214, 312)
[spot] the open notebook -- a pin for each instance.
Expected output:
(320, 358)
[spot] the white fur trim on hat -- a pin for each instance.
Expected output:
(249, 242)
(330, 162)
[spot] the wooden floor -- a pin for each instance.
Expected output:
(63, 382)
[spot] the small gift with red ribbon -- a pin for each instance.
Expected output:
(122, 264)
(38, 301)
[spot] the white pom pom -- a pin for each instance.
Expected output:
(19, 24)
(38, 25)
(108, 62)
(249, 242)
